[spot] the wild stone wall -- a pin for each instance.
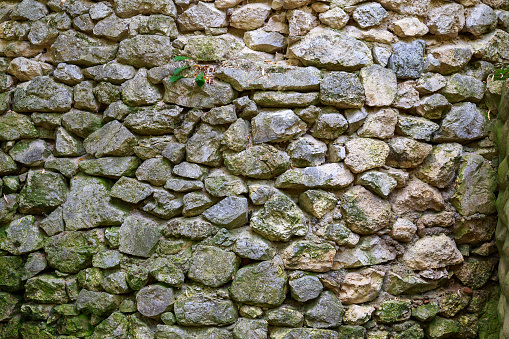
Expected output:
(334, 177)
(501, 231)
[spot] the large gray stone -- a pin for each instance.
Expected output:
(463, 88)
(42, 94)
(431, 253)
(153, 300)
(245, 75)
(212, 266)
(81, 123)
(305, 288)
(200, 310)
(214, 48)
(379, 124)
(324, 312)
(42, 192)
(30, 152)
(464, 122)
(220, 183)
(138, 91)
(475, 187)
(307, 151)
(14, 126)
(261, 284)
(329, 125)
(89, 204)
(416, 196)
(201, 16)
(260, 40)
(260, 162)
(407, 59)
(29, 10)
(145, 51)
(204, 146)
(285, 99)
(250, 245)
(493, 47)
(22, 236)
(331, 176)
(416, 127)
(67, 145)
(447, 20)
(332, 50)
(185, 92)
(365, 213)
(369, 14)
(371, 250)
(113, 139)
(97, 303)
(111, 72)
(279, 219)
(231, 212)
(70, 252)
(130, 190)
(406, 152)
(110, 167)
(80, 49)
(441, 165)
(250, 16)
(447, 59)
(276, 126)
(163, 204)
(139, 236)
(190, 228)
(480, 19)
(129, 8)
(155, 120)
(342, 90)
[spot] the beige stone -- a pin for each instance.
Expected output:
(361, 287)
(408, 27)
(250, 16)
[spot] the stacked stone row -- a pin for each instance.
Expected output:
(334, 178)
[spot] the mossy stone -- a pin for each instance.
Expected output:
(261, 284)
(426, 312)
(79, 326)
(442, 328)
(46, 289)
(43, 192)
(391, 311)
(70, 252)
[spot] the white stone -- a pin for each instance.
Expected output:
(408, 27)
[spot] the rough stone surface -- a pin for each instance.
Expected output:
(236, 170)
(432, 252)
(279, 219)
(315, 50)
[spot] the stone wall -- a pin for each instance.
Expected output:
(331, 174)
(501, 132)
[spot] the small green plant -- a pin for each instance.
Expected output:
(501, 74)
(198, 78)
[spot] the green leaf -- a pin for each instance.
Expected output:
(501, 74)
(180, 58)
(200, 79)
(174, 78)
(180, 69)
